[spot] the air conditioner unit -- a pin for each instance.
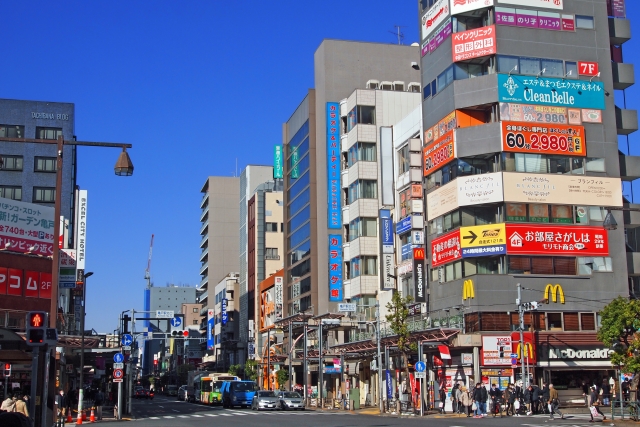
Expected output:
(373, 84)
(386, 86)
(398, 86)
(414, 87)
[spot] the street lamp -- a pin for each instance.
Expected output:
(84, 300)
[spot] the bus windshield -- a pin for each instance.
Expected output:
(217, 385)
(205, 384)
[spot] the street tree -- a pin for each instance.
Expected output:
(282, 375)
(235, 370)
(251, 370)
(397, 321)
(620, 323)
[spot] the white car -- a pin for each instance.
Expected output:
(182, 393)
(290, 400)
(265, 399)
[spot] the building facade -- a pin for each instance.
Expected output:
(227, 349)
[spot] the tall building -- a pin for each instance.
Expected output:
(313, 196)
(227, 348)
(521, 117)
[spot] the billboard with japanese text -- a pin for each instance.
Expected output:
(543, 139)
(461, 6)
(26, 227)
(546, 4)
(31, 284)
(439, 152)
(334, 215)
(473, 43)
(433, 17)
(543, 239)
(446, 248)
(542, 114)
(335, 267)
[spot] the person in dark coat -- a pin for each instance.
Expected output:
(606, 392)
(535, 399)
(593, 403)
(443, 399)
(480, 396)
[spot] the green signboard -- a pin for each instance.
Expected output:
(277, 161)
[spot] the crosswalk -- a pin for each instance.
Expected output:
(234, 413)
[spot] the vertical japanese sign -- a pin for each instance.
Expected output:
(334, 219)
(277, 161)
(26, 227)
(81, 225)
(223, 309)
(386, 231)
(210, 326)
(278, 292)
(335, 267)
(474, 43)
(419, 277)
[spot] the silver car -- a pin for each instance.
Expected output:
(264, 399)
(290, 400)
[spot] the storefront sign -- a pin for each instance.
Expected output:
(278, 298)
(461, 6)
(561, 189)
(386, 231)
(335, 267)
(473, 43)
(479, 189)
(443, 126)
(526, 349)
(18, 282)
(334, 216)
(483, 240)
(550, 91)
(446, 248)
(439, 153)
(466, 359)
(616, 8)
(223, 309)
(387, 280)
(403, 225)
(571, 353)
(537, 114)
(496, 350)
(277, 161)
(405, 268)
(534, 19)
(541, 239)
(547, 4)
(434, 17)
(26, 227)
(591, 116)
(419, 277)
(588, 68)
(415, 309)
(548, 139)
(438, 37)
(210, 329)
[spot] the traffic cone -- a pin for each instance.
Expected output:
(69, 417)
(84, 415)
(92, 418)
(79, 419)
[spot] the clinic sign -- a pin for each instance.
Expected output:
(546, 4)
(473, 43)
(551, 91)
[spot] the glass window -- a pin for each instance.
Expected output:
(366, 115)
(48, 133)
(11, 192)
(11, 131)
(297, 185)
(587, 265)
(542, 265)
(529, 66)
(571, 70)
(363, 189)
(426, 91)
(445, 78)
(554, 321)
(300, 166)
(559, 164)
(299, 202)
(434, 87)
(403, 160)
(44, 195)
(271, 253)
(299, 138)
(519, 264)
(45, 164)
(11, 163)
(489, 265)
(577, 166)
(300, 236)
(303, 268)
(299, 219)
(595, 164)
(587, 322)
(552, 68)
(369, 265)
(507, 64)
(584, 22)
(355, 268)
(271, 227)
(565, 266)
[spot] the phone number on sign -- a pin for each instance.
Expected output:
(544, 142)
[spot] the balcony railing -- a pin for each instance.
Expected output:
(273, 257)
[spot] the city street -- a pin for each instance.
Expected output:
(163, 411)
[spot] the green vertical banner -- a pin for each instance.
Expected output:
(277, 161)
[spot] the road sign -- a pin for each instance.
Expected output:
(420, 366)
(67, 285)
(118, 366)
(514, 355)
(420, 375)
(176, 322)
(127, 339)
(118, 358)
(117, 380)
(164, 314)
(126, 348)
(347, 307)
(514, 361)
(118, 373)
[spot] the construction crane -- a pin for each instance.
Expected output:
(147, 275)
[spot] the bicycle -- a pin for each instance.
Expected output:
(634, 410)
(497, 408)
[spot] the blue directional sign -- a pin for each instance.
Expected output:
(420, 366)
(118, 358)
(127, 339)
(176, 322)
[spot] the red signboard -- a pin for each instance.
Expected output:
(45, 285)
(587, 68)
(544, 139)
(473, 43)
(418, 253)
(14, 283)
(528, 349)
(31, 281)
(4, 278)
(439, 152)
(26, 283)
(446, 248)
(540, 239)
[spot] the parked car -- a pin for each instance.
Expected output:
(182, 393)
(172, 390)
(264, 399)
(139, 393)
(238, 393)
(290, 400)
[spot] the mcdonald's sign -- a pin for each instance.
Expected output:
(555, 291)
(467, 290)
(526, 349)
(419, 277)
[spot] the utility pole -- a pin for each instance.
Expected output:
(380, 378)
(525, 376)
(320, 364)
(304, 365)
(290, 356)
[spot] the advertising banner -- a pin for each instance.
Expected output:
(545, 4)
(18, 282)
(335, 267)
(386, 231)
(551, 91)
(483, 240)
(562, 189)
(26, 227)
(479, 189)
(438, 37)
(591, 116)
(616, 8)
(496, 350)
(82, 230)
(473, 43)
(543, 239)
(534, 19)
(210, 330)
(445, 248)
(277, 161)
(461, 6)
(548, 139)
(223, 311)
(434, 17)
(439, 153)
(443, 126)
(386, 279)
(419, 276)
(539, 114)
(279, 298)
(334, 218)
(267, 307)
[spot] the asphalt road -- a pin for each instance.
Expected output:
(162, 411)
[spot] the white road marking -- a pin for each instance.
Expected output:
(154, 418)
(175, 410)
(227, 415)
(183, 416)
(197, 415)
(168, 416)
(211, 415)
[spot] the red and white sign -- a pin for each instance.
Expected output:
(496, 351)
(26, 227)
(473, 43)
(446, 248)
(461, 6)
(26, 283)
(541, 239)
(433, 17)
(587, 68)
(547, 4)
(118, 374)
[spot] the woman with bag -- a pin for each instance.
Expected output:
(443, 398)
(465, 401)
(594, 411)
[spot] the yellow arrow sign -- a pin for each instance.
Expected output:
(483, 235)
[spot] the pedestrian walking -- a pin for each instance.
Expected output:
(594, 410)
(606, 392)
(456, 394)
(544, 407)
(61, 407)
(98, 402)
(443, 398)
(465, 401)
(480, 396)
(9, 404)
(553, 403)
(496, 398)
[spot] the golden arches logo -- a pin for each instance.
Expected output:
(528, 350)
(555, 291)
(467, 290)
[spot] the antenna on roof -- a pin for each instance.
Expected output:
(398, 33)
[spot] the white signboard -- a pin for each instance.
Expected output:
(278, 298)
(82, 228)
(26, 228)
(388, 266)
(346, 307)
(547, 4)
(496, 350)
(118, 365)
(479, 189)
(164, 314)
(420, 375)
(434, 17)
(461, 6)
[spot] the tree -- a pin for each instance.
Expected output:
(235, 370)
(620, 322)
(251, 370)
(397, 319)
(282, 375)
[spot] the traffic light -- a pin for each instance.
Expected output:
(125, 324)
(7, 370)
(180, 334)
(37, 322)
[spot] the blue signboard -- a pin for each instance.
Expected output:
(333, 369)
(420, 366)
(407, 250)
(223, 308)
(386, 231)
(335, 267)
(334, 219)
(550, 91)
(389, 386)
(210, 326)
(484, 251)
(403, 225)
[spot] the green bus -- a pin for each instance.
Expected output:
(209, 385)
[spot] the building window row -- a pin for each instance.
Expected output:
(295, 144)
(11, 163)
(299, 270)
(16, 163)
(299, 288)
(271, 253)
(363, 227)
(11, 192)
(363, 266)
(537, 321)
(11, 131)
(300, 305)
(363, 189)
(272, 227)
(44, 195)
(362, 152)
(361, 114)
(298, 253)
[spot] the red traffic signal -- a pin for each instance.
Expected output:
(37, 319)
(155, 362)
(37, 323)
(7, 369)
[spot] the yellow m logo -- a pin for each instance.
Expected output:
(555, 290)
(528, 350)
(467, 290)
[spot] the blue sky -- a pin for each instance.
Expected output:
(195, 86)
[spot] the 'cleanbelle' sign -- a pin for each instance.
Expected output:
(26, 227)
(434, 17)
(551, 91)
